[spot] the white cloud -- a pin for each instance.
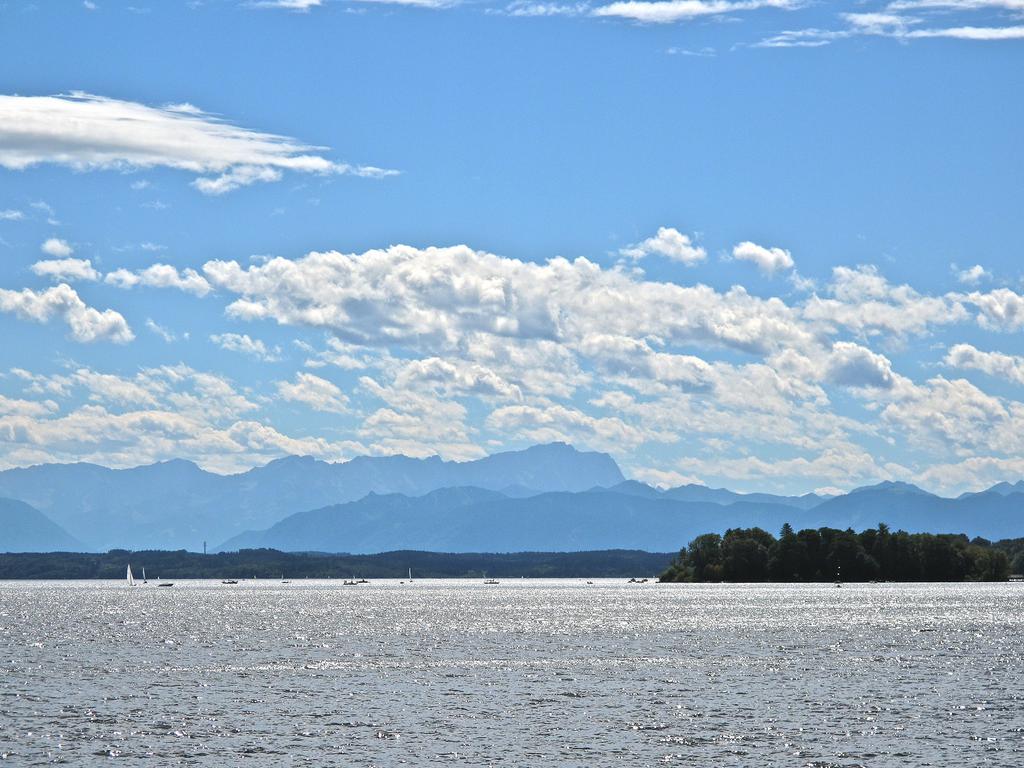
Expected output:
(954, 417)
(456, 377)
(553, 422)
(244, 344)
(851, 365)
(975, 473)
(437, 299)
(111, 389)
(161, 276)
(432, 4)
(10, 214)
(1001, 309)
(865, 303)
(56, 247)
(893, 24)
(973, 275)
(160, 331)
(291, 5)
(669, 11)
(955, 5)
(417, 424)
(670, 243)
(88, 132)
(843, 465)
(529, 8)
(85, 323)
(1009, 367)
(972, 33)
(768, 260)
(66, 270)
(157, 414)
(26, 408)
(319, 394)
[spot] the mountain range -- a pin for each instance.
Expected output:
(544, 498)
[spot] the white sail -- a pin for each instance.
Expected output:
(131, 579)
(410, 574)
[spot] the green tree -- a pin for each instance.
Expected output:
(786, 556)
(745, 554)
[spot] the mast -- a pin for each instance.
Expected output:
(131, 579)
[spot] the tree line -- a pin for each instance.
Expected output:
(273, 564)
(827, 554)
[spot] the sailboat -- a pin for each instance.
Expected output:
(144, 580)
(410, 574)
(131, 579)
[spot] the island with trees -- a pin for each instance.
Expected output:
(827, 554)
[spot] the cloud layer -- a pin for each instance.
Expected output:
(457, 351)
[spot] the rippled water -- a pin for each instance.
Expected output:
(523, 673)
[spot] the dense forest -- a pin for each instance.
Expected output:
(270, 563)
(826, 554)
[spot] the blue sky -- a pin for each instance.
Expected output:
(770, 245)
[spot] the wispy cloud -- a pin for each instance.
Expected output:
(291, 5)
(669, 11)
(529, 8)
(162, 332)
(88, 132)
(891, 23)
(972, 275)
(435, 4)
(244, 344)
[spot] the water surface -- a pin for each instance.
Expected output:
(527, 672)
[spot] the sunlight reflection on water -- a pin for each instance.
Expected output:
(528, 672)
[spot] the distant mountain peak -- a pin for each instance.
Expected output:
(893, 486)
(292, 459)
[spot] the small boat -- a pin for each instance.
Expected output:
(131, 579)
(491, 581)
(284, 580)
(144, 580)
(362, 581)
(410, 575)
(229, 581)
(166, 584)
(348, 583)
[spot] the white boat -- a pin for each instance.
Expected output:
(144, 581)
(410, 574)
(131, 579)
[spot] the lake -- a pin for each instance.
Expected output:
(526, 672)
